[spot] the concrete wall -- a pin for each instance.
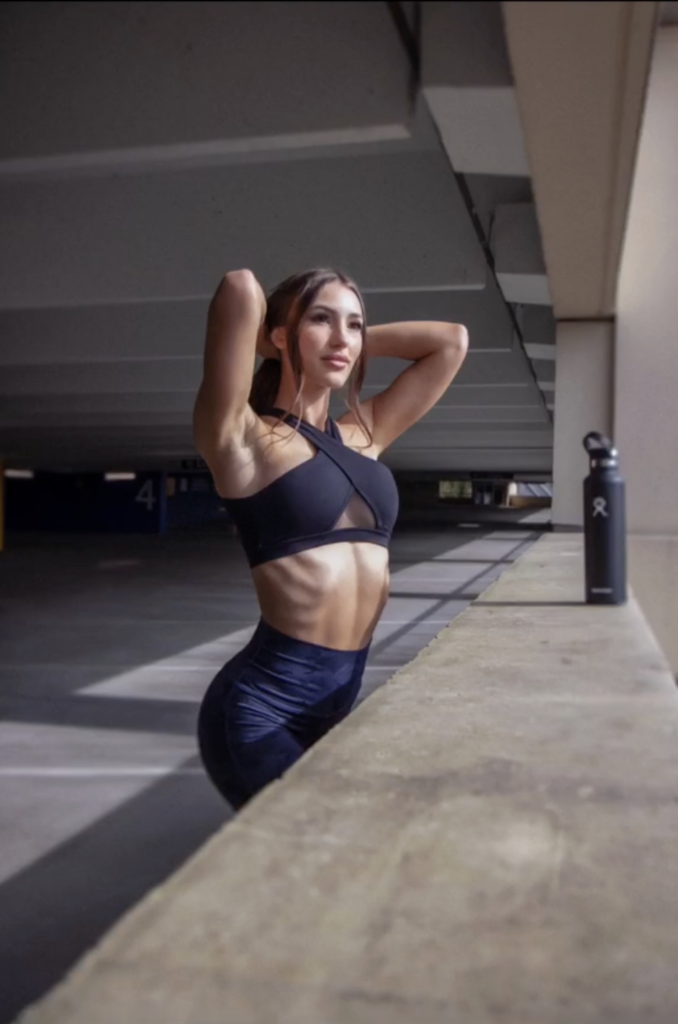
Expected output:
(646, 374)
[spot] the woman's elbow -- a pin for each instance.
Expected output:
(458, 338)
(240, 278)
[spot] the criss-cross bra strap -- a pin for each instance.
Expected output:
(307, 429)
(323, 441)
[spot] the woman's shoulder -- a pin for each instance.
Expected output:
(354, 434)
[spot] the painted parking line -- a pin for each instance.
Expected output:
(87, 773)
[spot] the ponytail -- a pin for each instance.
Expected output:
(265, 384)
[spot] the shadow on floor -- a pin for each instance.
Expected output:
(531, 604)
(60, 906)
(57, 907)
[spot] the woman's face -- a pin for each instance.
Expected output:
(330, 335)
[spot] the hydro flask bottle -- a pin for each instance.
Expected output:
(604, 524)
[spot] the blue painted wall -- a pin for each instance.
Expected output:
(86, 502)
(192, 501)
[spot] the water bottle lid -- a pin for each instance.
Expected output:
(599, 447)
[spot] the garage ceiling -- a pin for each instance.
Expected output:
(151, 147)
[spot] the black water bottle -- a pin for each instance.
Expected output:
(604, 524)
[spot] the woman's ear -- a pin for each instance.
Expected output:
(279, 338)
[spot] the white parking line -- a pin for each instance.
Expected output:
(77, 773)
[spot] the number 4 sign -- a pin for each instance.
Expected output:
(146, 496)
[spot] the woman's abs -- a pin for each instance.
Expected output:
(331, 595)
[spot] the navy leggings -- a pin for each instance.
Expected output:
(269, 704)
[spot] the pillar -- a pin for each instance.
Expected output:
(646, 362)
(583, 402)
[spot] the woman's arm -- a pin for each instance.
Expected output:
(234, 323)
(437, 350)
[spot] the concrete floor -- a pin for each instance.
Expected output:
(107, 644)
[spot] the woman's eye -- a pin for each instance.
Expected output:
(357, 327)
(319, 317)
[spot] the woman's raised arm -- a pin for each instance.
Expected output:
(437, 351)
(234, 323)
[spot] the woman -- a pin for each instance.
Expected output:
(314, 508)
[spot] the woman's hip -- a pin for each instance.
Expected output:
(281, 680)
(269, 704)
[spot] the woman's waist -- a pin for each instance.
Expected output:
(317, 573)
(329, 596)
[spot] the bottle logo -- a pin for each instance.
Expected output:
(600, 507)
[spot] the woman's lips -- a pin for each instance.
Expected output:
(337, 361)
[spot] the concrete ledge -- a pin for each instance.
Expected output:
(489, 837)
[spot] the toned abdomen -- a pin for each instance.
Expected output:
(331, 595)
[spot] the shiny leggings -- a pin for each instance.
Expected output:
(268, 705)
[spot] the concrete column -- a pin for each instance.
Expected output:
(583, 402)
(646, 372)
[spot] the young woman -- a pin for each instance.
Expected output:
(313, 506)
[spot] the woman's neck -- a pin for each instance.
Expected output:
(313, 408)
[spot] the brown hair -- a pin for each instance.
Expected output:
(286, 306)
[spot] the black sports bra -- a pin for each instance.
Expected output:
(302, 509)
